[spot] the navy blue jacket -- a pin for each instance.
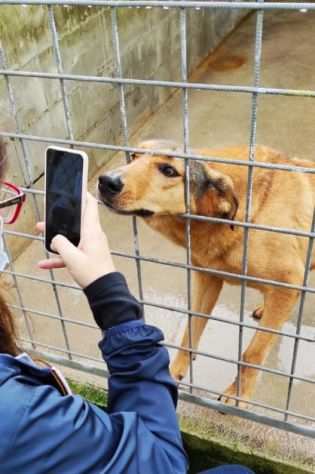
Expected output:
(43, 431)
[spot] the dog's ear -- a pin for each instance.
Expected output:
(215, 195)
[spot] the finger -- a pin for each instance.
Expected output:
(40, 227)
(91, 221)
(91, 210)
(51, 263)
(67, 251)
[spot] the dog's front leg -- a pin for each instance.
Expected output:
(279, 304)
(205, 292)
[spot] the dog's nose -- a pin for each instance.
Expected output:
(110, 184)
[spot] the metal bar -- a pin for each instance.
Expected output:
(206, 159)
(304, 430)
(249, 192)
(171, 308)
(249, 415)
(26, 172)
(252, 403)
(40, 280)
(211, 271)
(103, 373)
(64, 350)
(219, 273)
(159, 83)
(228, 360)
(19, 295)
(27, 176)
(249, 225)
(230, 322)
(54, 317)
(59, 64)
(69, 135)
(24, 235)
(74, 364)
(25, 165)
(124, 121)
(171, 4)
(33, 191)
(242, 363)
(299, 429)
(219, 220)
(185, 119)
(308, 263)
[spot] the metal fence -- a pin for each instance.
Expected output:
(281, 418)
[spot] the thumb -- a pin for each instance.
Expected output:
(68, 252)
(91, 218)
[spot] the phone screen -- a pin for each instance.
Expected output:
(64, 171)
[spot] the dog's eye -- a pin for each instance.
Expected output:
(168, 171)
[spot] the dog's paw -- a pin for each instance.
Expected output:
(258, 313)
(231, 391)
(179, 368)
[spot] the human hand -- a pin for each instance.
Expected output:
(91, 259)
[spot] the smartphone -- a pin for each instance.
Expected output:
(66, 172)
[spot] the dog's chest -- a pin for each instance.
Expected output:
(173, 229)
(218, 253)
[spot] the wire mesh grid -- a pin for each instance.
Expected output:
(65, 353)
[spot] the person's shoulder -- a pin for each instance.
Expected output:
(15, 398)
(14, 395)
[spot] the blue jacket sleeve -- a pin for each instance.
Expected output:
(139, 434)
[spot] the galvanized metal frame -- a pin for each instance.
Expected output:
(123, 113)
(184, 77)
(91, 364)
(251, 158)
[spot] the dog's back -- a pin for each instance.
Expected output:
(280, 198)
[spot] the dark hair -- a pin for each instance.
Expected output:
(8, 343)
(7, 327)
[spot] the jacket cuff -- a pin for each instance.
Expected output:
(111, 301)
(131, 333)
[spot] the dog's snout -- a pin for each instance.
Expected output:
(110, 184)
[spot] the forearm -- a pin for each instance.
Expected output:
(139, 365)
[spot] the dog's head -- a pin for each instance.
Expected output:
(153, 184)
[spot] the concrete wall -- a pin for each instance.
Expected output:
(206, 447)
(150, 49)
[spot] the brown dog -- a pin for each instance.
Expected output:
(152, 186)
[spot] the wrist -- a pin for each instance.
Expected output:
(95, 275)
(104, 283)
(111, 302)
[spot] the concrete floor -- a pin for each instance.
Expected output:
(216, 119)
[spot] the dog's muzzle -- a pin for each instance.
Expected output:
(109, 186)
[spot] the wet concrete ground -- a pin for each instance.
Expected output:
(216, 119)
